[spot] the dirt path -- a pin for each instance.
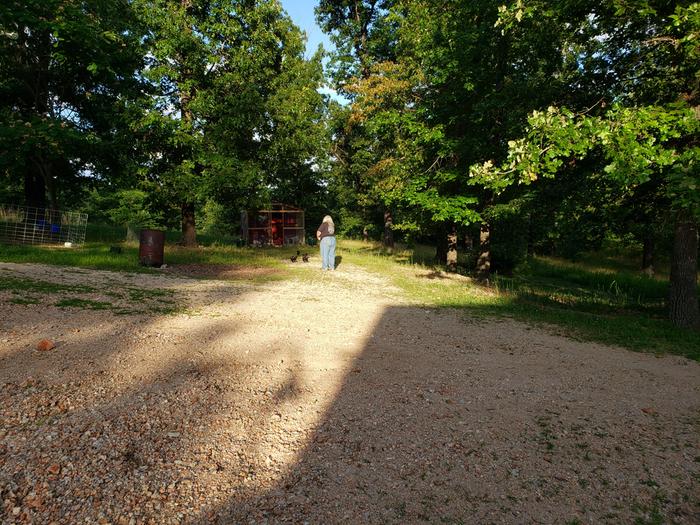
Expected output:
(327, 400)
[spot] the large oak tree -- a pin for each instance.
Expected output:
(67, 89)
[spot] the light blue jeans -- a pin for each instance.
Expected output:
(328, 253)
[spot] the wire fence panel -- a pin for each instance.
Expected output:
(29, 225)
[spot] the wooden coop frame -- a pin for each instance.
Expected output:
(280, 225)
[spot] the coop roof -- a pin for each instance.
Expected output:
(277, 206)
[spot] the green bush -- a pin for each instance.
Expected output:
(349, 223)
(216, 221)
(578, 233)
(106, 233)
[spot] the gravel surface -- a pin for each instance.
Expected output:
(327, 400)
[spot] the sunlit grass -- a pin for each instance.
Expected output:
(589, 301)
(86, 304)
(37, 286)
(89, 255)
(621, 308)
(98, 256)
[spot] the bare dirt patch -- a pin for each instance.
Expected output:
(220, 271)
(330, 400)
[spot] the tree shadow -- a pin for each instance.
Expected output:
(451, 420)
(129, 419)
(433, 417)
(434, 274)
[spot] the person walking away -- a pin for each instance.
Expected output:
(326, 236)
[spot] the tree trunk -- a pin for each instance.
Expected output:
(483, 263)
(683, 295)
(131, 234)
(38, 104)
(47, 172)
(360, 39)
(189, 235)
(446, 249)
(452, 250)
(34, 189)
(388, 231)
(648, 255)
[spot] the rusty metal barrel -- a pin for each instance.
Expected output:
(151, 244)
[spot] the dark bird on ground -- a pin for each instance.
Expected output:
(293, 258)
(305, 257)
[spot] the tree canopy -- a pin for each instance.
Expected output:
(596, 101)
(522, 126)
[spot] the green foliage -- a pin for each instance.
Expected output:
(638, 143)
(67, 89)
(186, 102)
(132, 209)
(578, 233)
(360, 33)
(649, 133)
(445, 97)
(645, 144)
(218, 220)
(349, 223)
(237, 117)
(98, 203)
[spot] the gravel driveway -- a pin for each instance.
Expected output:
(326, 400)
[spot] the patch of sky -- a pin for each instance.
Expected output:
(302, 14)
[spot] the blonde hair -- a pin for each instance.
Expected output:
(331, 226)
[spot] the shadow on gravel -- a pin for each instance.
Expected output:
(101, 430)
(438, 418)
(446, 421)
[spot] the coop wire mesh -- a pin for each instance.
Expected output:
(30, 225)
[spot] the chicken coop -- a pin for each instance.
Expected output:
(280, 225)
(30, 225)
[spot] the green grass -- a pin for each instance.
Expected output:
(590, 300)
(618, 308)
(95, 252)
(84, 303)
(556, 282)
(98, 256)
(142, 294)
(31, 285)
(90, 255)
